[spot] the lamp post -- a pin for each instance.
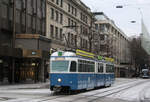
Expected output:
(139, 9)
(142, 28)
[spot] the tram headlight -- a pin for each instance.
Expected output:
(59, 80)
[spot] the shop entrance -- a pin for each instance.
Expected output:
(6, 69)
(29, 70)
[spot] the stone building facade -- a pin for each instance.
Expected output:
(69, 23)
(114, 43)
(24, 48)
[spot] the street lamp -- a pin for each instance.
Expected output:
(139, 9)
(119, 6)
(133, 21)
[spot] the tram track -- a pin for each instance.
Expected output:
(142, 97)
(1, 99)
(102, 93)
(4, 99)
(105, 92)
(108, 92)
(39, 99)
(44, 100)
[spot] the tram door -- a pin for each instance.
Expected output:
(29, 70)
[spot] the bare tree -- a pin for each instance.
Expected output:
(139, 56)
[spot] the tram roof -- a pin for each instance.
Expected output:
(63, 54)
(72, 54)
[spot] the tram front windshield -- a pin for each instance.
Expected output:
(60, 66)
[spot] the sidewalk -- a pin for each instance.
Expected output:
(38, 85)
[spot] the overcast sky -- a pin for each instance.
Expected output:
(123, 16)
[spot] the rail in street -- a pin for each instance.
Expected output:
(44, 95)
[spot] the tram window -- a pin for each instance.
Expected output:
(60, 66)
(100, 68)
(85, 66)
(109, 69)
(112, 69)
(73, 66)
(79, 67)
(92, 68)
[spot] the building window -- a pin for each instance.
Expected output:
(69, 21)
(57, 16)
(75, 40)
(102, 28)
(72, 10)
(86, 44)
(56, 32)
(81, 29)
(52, 30)
(81, 42)
(61, 36)
(102, 37)
(96, 26)
(52, 13)
(4, 13)
(75, 26)
(18, 2)
(61, 3)
(57, 2)
(29, 20)
(61, 18)
(69, 7)
(69, 38)
(81, 16)
(103, 47)
(86, 19)
(75, 12)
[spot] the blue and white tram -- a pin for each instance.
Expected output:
(72, 72)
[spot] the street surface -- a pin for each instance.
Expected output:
(124, 90)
